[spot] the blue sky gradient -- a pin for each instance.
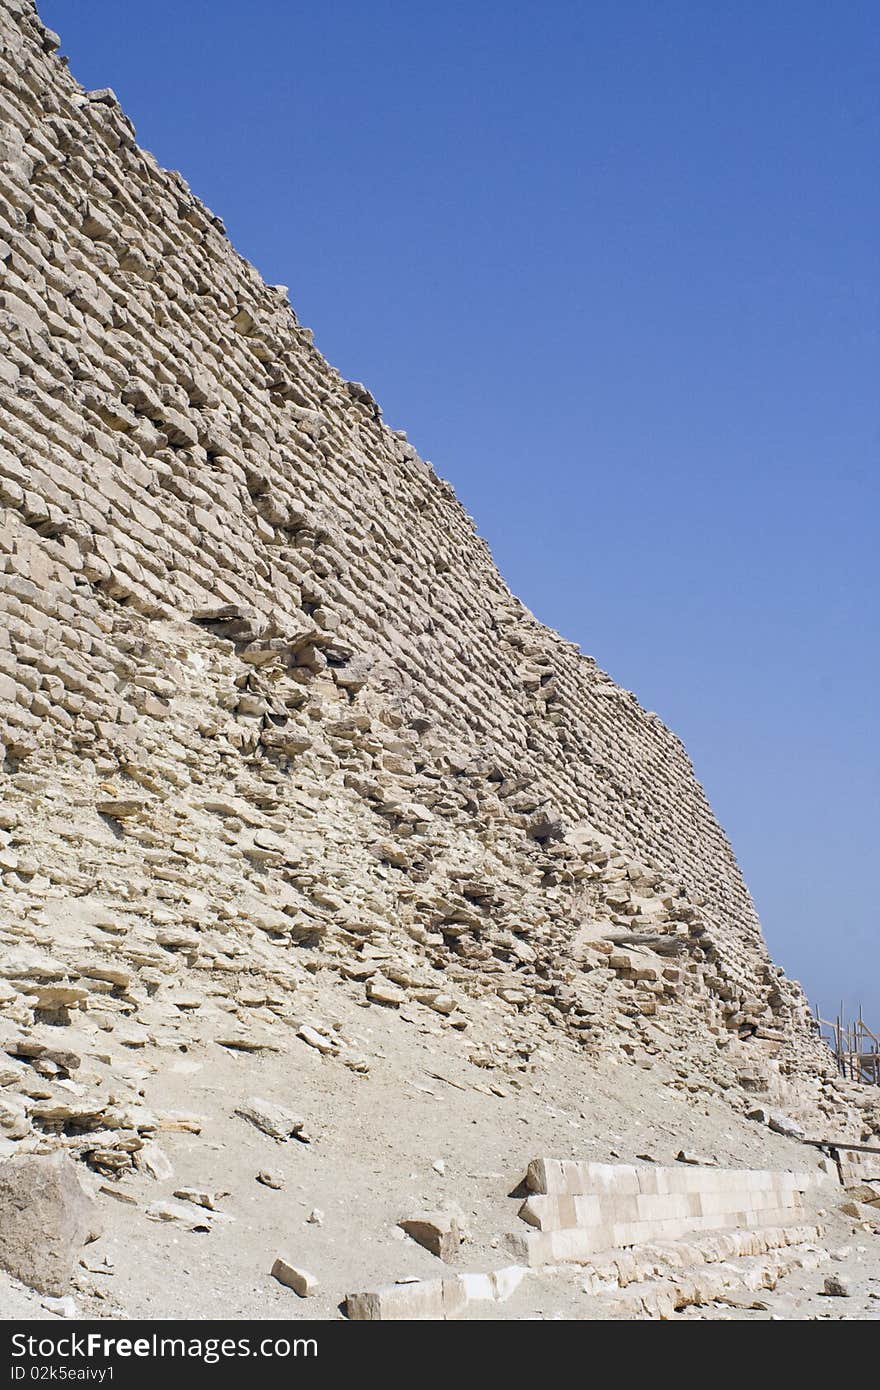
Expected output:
(613, 266)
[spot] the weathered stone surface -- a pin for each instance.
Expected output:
(784, 1124)
(155, 1162)
(272, 1119)
(866, 1193)
(187, 1214)
(45, 1218)
(121, 809)
(860, 1211)
(381, 992)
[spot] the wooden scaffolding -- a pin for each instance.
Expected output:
(856, 1048)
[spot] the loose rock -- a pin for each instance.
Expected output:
(45, 1219)
(437, 1231)
(299, 1280)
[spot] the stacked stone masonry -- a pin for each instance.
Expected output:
(579, 1209)
(684, 1236)
(218, 564)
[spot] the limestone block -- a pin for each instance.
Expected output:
(573, 1244)
(855, 1167)
(867, 1193)
(274, 1120)
(302, 1283)
(784, 1124)
(437, 1231)
(549, 1213)
(566, 1177)
(506, 1281)
(45, 1218)
(664, 1206)
(398, 1302)
(478, 1288)
(860, 1211)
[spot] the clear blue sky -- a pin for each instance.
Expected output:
(613, 266)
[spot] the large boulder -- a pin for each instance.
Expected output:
(45, 1219)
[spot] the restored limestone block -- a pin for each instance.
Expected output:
(506, 1281)
(855, 1167)
(684, 1199)
(549, 1213)
(438, 1299)
(566, 1177)
(478, 1288)
(575, 1245)
(455, 1297)
(398, 1302)
(666, 1206)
